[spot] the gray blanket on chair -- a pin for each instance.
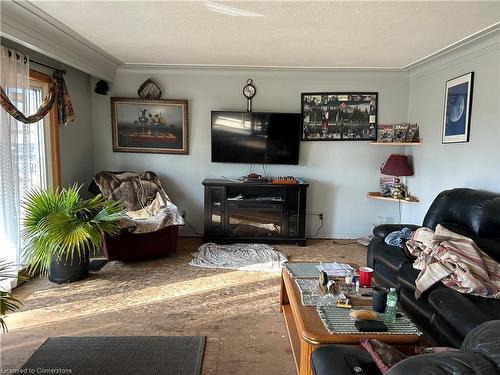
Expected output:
(147, 206)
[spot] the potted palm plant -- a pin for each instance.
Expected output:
(8, 302)
(61, 230)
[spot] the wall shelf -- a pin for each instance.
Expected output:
(376, 195)
(397, 143)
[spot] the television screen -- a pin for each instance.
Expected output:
(255, 137)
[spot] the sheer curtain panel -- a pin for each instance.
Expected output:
(15, 152)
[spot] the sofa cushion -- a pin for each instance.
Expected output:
(463, 312)
(382, 230)
(462, 206)
(490, 246)
(329, 360)
(445, 334)
(484, 340)
(444, 363)
(419, 310)
(392, 257)
(490, 227)
(459, 229)
(407, 276)
(384, 276)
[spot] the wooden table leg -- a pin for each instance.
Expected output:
(283, 293)
(305, 357)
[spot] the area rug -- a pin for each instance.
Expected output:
(124, 355)
(242, 257)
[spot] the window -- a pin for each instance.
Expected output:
(45, 153)
(31, 153)
(34, 150)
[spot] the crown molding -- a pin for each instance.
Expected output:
(138, 66)
(26, 24)
(484, 46)
(481, 34)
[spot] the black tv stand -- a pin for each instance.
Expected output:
(254, 212)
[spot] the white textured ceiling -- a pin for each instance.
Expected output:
(370, 34)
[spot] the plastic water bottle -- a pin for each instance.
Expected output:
(390, 308)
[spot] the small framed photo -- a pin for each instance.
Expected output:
(150, 126)
(339, 116)
(457, 109)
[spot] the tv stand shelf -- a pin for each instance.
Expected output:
(255, 200)
(263, 212)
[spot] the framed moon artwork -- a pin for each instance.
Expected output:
(457, 109)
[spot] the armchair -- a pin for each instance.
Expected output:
(151, 226)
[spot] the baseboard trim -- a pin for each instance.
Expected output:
(307, 238)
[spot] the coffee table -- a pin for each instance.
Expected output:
(307, 332)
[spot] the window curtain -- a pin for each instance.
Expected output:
(58, 94)
(15, 176)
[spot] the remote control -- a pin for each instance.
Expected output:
(353, 363)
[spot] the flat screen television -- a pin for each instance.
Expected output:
(255, 137)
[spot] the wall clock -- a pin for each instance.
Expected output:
(249, 92)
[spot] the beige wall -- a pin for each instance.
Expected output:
(340, 173)
(475, 164)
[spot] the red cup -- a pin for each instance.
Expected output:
(365, 276)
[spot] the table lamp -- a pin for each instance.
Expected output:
(397, 165)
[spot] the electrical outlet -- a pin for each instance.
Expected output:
(320, 216)
(183, 214)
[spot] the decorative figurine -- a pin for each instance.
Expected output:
(149, 90)
(333, 288)
(323, 282)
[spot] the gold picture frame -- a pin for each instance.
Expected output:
(150, 126)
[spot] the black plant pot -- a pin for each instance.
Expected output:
(67, 270)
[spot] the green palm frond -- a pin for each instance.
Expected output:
(61, 224)
(8, 302)
(7, 270)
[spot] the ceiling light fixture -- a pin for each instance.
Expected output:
(230, 11)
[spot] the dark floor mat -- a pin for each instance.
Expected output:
(96, 265)
(123, 355)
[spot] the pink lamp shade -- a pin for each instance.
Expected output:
(396, 165)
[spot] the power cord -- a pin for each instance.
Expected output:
(264, 169)
(399, 210)
(321, 221)
(319, 228)
(190, 225)
(336, 242)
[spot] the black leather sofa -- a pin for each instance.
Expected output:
(444, 313)
(478, 354)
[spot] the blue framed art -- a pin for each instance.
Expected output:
(457, 109)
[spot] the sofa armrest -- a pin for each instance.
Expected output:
(381, 231)
(454, 362)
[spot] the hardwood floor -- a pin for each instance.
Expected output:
(237, 311)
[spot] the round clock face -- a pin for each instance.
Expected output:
(249, 91)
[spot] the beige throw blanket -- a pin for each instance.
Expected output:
(147, 206)
(455, 260)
